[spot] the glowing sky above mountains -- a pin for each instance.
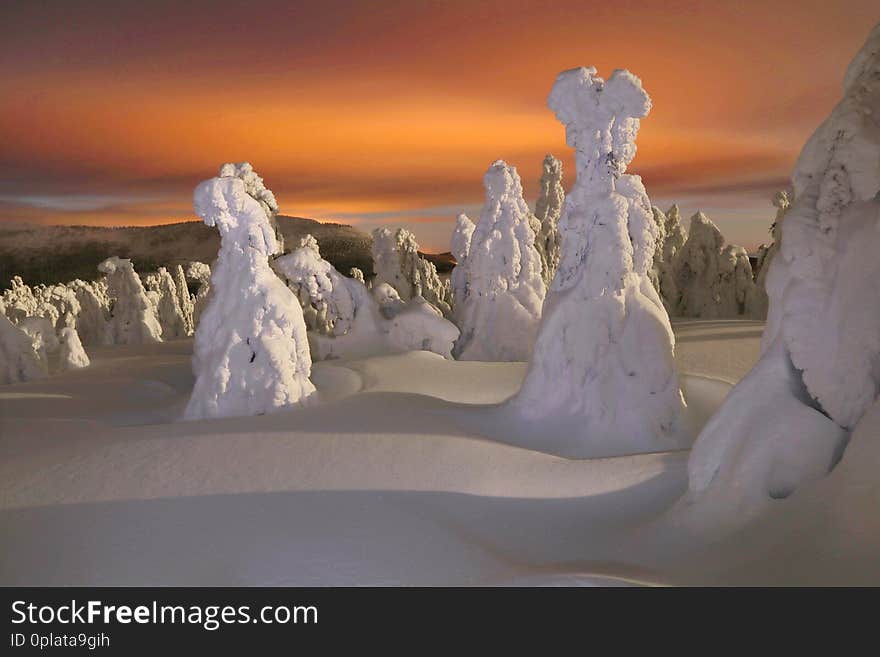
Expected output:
(389, 113)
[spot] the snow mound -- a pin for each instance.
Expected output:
(501, 310)
(19, 360)
(603, 363)
(251, 350)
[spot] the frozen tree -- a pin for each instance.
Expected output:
(171, 317)
(348, 320)
(184, 300)
(19, 361)
(44, 340)
(256, 189)
(397, 262)
(782, 201)
(251, 350)
(711, 280)
(548, 209)
(357, 274)
(322, 291)
(460, 246)
(602, 378)
(19, 300)
(132, 317)
(92, 323)
(500, 313)
(200, 273)
(670, 239)
(71, 354)
(788, 420)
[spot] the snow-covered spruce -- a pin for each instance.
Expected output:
(460, 246)
(670, 239)
(19, 300)
(44, 340)
(788, 420)
(200, 273)
(548, 210)
(19, 360)
(92, 323)
(251, 353)
(132, 317)
(347, 320)
(713, 281)
(602, 379)
(171, 315)
(184, 300)
(782, 201)
(397, 262)
(256, 189)
(71, 355)
(500, 313)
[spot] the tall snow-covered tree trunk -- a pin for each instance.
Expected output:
(602, 378)
(548, 210)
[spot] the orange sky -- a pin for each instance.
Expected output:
(388, 113)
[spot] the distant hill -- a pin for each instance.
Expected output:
(57, 254)
(444, 262)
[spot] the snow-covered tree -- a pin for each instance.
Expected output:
(171, 316)
(348, 321)
(19, 300)
(184, 300)
(92, 323)
(71, 355)
(602, 378)
(397, 262)
(19, 360)
(781, 201)
(670, 239)
(460, 247)
(132, 317)
(548, 210)
(200, 273)
(44, 340)
(251, 350)
(500, 313)
(256, 189)
(711, 280)
(788, 420)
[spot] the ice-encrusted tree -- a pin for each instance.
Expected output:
(500, 313)
(71, 355)
(132, 317)
(713, 281)
(200, 273)
(781, 201)
(602, 378)
(397, 262)
(256, 189)
(92, 323)
(251, 352)
(171, 316)
(548, 210)
(670, 239)
(184, 300)
(19, 360)
(460, 246)
(788, 420)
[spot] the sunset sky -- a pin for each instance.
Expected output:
(388, 113)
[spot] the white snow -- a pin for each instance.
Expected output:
(71, 354)
(787, 422)
(132, 317)
(19, 361)
(460, 246)
(602, 379)
(502, 307)
(251, 350)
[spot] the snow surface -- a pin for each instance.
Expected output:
(383, 482)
